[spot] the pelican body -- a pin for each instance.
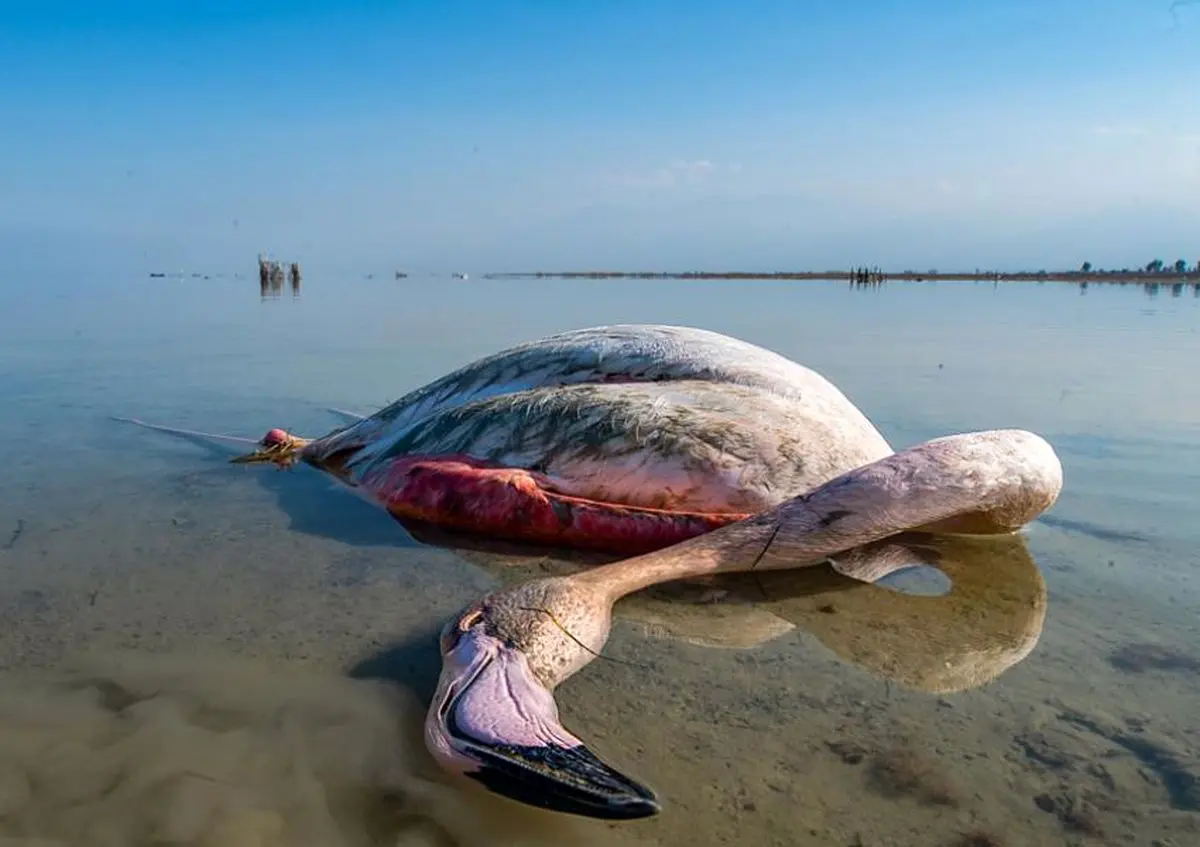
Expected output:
(690, 452)
(621, 439)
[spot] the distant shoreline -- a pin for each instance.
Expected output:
(875, 276)
(858, 276)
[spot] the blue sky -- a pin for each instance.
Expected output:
(489, 136)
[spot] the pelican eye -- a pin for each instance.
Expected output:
(455, 631)
(469, 619)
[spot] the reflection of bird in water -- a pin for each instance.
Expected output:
(703, 453)
(989, 620)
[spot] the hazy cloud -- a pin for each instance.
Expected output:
(945, 186)
(1119, 129)
(700, 166)
(678, 173)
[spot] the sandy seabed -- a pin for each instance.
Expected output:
(241, 659)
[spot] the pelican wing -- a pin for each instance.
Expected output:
(626, 354)
(681, 445)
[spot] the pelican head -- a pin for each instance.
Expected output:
(278, 447)
(494, 719)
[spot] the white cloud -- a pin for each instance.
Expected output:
(677, 174)
(1186, 136)
(700, 166)
(1119, 130)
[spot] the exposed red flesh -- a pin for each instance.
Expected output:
(511, 504)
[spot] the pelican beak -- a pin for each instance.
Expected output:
(493, 721)
(255, 457)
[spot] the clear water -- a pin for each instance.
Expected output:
(200, 587)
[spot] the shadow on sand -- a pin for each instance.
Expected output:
(413, 663)
(314, 503)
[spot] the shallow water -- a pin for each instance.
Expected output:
(193, 650)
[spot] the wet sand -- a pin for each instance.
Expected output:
(240, 657)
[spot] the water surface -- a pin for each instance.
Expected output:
(218, 609)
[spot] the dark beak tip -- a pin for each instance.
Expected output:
(591, 789)
(628, 807)
(635, 807)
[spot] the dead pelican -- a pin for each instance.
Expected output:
(624, 439)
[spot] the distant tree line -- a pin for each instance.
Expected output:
(1155, 266)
